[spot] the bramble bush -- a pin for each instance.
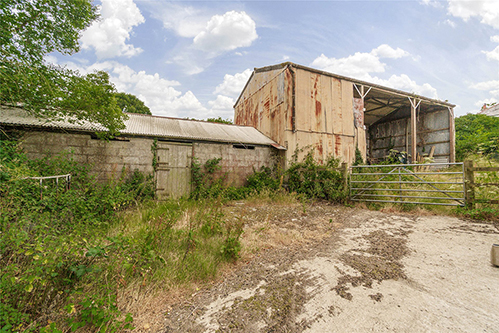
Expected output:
(316, 181)
(47, 232)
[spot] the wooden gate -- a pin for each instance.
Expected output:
(173, 172)
(427, 184)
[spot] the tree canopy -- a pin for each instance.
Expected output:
(219, 120)
(476, 134)
(30, 30)
(131, 103)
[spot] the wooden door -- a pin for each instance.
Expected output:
(173, 173)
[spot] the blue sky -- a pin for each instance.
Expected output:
(192, 59)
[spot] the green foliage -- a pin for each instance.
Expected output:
(29, 30)
(395, 157)
(154, 150)
(316, 181)
(99, 313)
(219, 120)
(359, 160)
(48, 244)
(265, 179)
(481, 213)
(206, 179)
(209, 182)
(131, 103)
(477, 134)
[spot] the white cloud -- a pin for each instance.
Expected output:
(233, 84)
(357, 65)
(109, 35)
(403, 82)
(492, 55)
(486, 10)
(222, 106)
(450, 23)
(159, 94)
(186, 21)
(486, 85)
(362, 65)
(434, 3)
(212, 35)
(492, 100)
(386, 51)
(226, 32)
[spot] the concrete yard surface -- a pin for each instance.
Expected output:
(354, 270)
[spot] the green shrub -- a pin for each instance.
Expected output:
(49, 243)
(477, 134)
(316, 181)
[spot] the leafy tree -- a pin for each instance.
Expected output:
(476, 133)
(29, 30)
(130, 103)
(219, 120)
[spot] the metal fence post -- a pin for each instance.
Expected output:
(469, 184)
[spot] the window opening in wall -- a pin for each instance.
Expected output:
(116, 138)
(241, 146)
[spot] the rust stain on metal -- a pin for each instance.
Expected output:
(318, 108)
(337, 145)
(319, 147)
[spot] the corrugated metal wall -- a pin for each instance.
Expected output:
(323, 117)
(432, 130)
(264, 105)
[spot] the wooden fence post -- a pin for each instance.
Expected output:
(469, 184)
(344, 172)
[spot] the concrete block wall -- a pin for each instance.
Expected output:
(237, 163)
(108, 158)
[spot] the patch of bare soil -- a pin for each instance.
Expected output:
(380, 261)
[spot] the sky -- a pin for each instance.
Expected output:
(192, 59)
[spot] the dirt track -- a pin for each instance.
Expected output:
(335, 269)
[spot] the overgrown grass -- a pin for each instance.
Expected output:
(66, 255)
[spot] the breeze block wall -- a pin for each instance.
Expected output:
(238, 163)
(107, 158)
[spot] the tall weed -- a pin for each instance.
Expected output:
(48, 232)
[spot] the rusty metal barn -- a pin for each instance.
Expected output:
(301, 107)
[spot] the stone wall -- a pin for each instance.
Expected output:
(108, 158)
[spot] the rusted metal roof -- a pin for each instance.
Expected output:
(151, 126)
(381, 89)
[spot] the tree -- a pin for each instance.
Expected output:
(476, 134)
(29, 30)
(219, 120)
(130, 103)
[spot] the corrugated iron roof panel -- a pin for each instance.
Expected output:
(491, 111)
(153, 126)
